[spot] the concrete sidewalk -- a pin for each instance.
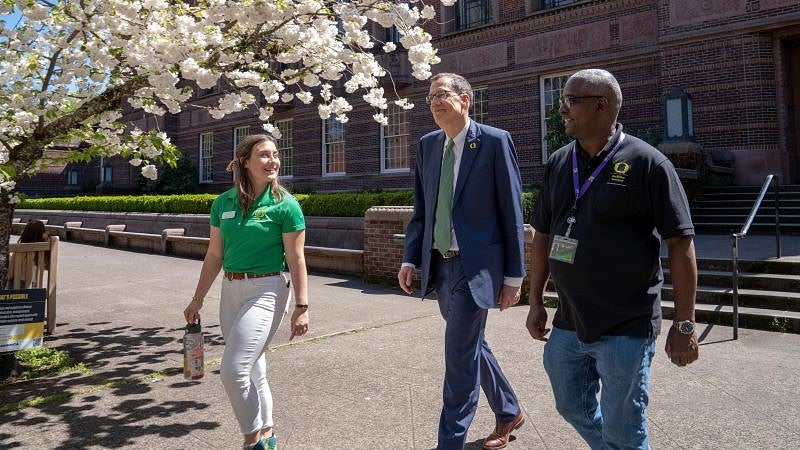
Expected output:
(368, 375)
(753, 247)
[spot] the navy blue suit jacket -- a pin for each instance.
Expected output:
(486, 215)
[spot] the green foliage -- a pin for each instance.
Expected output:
(351, 204)
(780, 324)
(528, 200)
(650, 135)
(177, 204)
(181, 179)
(557, 136)
(43, 361)
(8, 171)
(342, 204)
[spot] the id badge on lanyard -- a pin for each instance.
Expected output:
(564, 248)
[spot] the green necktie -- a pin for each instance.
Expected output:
(444, 204)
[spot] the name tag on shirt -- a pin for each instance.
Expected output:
(564, 249)
(228, 214)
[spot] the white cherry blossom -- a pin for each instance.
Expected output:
(68, 67)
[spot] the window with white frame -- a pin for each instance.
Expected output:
(333, 146)
(394, 140)
(550, 89)
(479, 111)
(206, 159)
(239, 133)
(286, 147)
(473, 13)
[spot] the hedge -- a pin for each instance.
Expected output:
(344, 204)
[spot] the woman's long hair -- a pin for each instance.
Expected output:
(33, 232)
(241, 178)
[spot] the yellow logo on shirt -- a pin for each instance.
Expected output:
(622, 168)
(260, 213)
(620, 172)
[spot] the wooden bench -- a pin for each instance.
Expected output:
(33, 275)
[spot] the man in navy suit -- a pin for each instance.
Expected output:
(466, 238)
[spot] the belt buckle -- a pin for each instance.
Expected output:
(450, 254)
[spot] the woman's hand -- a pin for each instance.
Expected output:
(192, 312)
(299, 322)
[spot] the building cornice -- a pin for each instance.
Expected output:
(537, 20)
(567, 65)
(753, 25)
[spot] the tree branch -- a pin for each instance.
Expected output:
(32, 147)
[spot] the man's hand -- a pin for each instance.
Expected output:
(681, 349)
(537, 321)
(509, 296)
(405, 277)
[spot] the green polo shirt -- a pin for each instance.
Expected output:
(255, 244)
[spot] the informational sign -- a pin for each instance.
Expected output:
(21, 319)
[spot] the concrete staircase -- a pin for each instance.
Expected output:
(724, 209)
(769, 294)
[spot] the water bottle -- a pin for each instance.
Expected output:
(193, 352)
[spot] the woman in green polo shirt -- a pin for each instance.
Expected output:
(255, 226)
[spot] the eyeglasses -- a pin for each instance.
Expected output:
(441, 95)
(569, 100)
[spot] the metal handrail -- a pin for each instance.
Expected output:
(743, 234)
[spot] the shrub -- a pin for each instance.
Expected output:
(343, 204)
(351, 204)
(182, 179)
(178, 204)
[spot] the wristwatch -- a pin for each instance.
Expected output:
(686, 327)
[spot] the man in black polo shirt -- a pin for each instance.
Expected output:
(606, 198)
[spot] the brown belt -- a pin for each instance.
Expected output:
(450, 254)
(243, 276)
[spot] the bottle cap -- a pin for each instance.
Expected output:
(193, 327)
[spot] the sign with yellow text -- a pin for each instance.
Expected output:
(21, 319)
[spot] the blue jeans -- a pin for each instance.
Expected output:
(621, 364)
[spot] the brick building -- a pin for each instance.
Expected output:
(739, 60)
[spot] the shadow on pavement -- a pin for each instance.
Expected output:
(119, 358)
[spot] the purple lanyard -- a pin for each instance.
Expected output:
(581, 190)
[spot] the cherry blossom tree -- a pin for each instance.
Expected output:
(67, 67)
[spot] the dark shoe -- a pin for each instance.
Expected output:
(502, 432)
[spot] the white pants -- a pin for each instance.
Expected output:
(250, 312)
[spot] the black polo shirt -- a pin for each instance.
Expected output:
(613, 286)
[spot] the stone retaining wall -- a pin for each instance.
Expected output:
(173, 241)
(383, 237)
(333, 232)
(384, 234)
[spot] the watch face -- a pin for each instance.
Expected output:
(686, 327)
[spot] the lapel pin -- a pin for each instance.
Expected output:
(473, 146)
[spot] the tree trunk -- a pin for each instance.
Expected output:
(6, 215)
(9, 367)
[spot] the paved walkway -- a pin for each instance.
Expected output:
(368, 376)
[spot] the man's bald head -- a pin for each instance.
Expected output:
(603, 83)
